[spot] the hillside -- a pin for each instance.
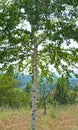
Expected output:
(24, 79)
(74, 83)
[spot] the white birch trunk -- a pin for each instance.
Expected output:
(34, 93)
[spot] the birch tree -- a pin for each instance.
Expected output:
(51, 24)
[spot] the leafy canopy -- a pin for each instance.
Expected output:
(53, 23)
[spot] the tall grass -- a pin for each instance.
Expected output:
(60, 118)
(57, 118)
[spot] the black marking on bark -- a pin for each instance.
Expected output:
(34, 97)
(34, 90)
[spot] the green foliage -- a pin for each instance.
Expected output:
(14, 97)
(72, 97)
(17, 98)
(28, 88)
(61, 92)
(27, 94)
(10, 95)
(49, 22)
(6, 83)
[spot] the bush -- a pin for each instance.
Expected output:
(61, 94)
(6, 83)
(10, 95)
(72, 96)
(61, 91)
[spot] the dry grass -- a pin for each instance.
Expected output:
(15, 119)
(59, 118)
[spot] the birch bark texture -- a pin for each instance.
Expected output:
(34, 93)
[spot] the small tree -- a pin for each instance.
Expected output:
(27, 92)
(62, 88)
(7, 82)
(46, 86)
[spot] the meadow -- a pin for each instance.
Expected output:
(57, 118)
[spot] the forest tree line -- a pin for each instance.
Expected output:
(50, 93)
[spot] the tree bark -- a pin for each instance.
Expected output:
(44, 99)
(34, 93)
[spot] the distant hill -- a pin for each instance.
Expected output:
(24, 79)
(73, 83)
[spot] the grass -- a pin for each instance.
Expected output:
(58, 118)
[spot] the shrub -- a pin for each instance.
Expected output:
(72, 96)
(10, 95)
(61, 91)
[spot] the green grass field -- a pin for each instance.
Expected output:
(58, 118)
